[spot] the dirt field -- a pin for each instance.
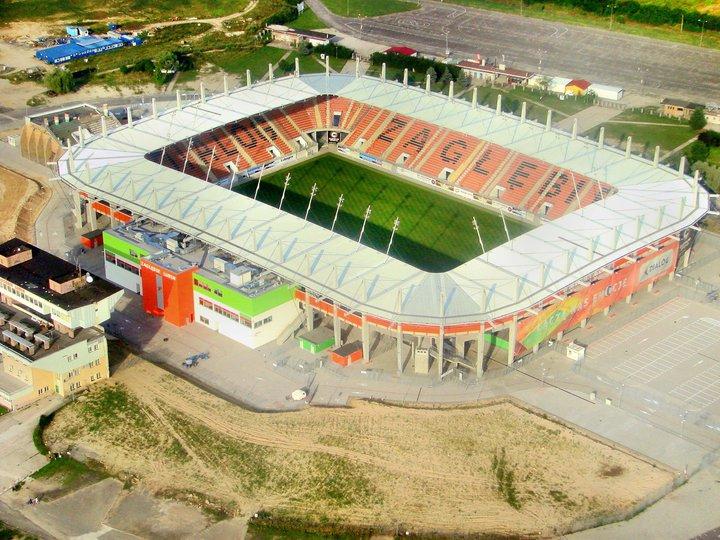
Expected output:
(369, 466)
(21, 201)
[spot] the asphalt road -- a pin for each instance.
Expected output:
(635, 63)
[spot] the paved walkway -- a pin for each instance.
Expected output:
(588, 118)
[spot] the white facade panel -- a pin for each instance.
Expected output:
(123, 278)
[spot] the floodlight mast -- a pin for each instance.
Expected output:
(396, 226)
(477, 230)
(187, 155)
(368, 211)
(285, 185)
(257, 188)
(212, 158)
(162, 155)
(235, 169)
(502, 215)
(341, 200)
(313, 191)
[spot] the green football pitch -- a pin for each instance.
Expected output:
(435, 233)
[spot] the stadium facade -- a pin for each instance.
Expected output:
(607, 223)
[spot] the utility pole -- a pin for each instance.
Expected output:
(477, 230)
(368, 211)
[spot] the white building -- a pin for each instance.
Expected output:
(604, 91)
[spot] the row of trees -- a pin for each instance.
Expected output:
(649, 13)
(414, 65)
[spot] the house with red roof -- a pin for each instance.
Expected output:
(399, 49)
(577, 87)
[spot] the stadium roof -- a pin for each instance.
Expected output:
(651, 202)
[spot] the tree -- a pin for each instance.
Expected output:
(166, 65)
(446, 77)
(433, 75)
(305, 48)
(697, 151)
(697, 119)
(60, 81)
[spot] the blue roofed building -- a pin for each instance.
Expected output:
(80, 47)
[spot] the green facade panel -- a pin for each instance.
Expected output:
(122, 248)
(246, 305)
(315, 348)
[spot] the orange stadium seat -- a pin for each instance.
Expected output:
(413, 142)
(487, 162)
(454, 148)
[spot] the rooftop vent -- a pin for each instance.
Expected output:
(16, 255)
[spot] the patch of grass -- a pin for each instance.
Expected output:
(646, 136)
(308, 64)
(505, 477)
(307, 20)
(148, 10)
(25, 75)
(9, 533)
(554, 12)
(435, 232)
(3, 410)
(256, 61)
(647, 114)
(714, 157)
(70, 472)
(365, 8)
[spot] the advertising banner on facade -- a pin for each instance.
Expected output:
(595, 298)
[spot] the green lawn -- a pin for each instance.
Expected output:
(553, 12)
(368, 8)
(648, 114)
(256, 61)
(714, 158)
(647, 136)
(307, 21)
(435, 232)
(151, 10)
(3, 410)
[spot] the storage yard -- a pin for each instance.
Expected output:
(369, 466)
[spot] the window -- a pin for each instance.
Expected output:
(205, 303)
(204, 320)
(109, 257)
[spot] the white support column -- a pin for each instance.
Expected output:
(399, 348)
(103, 126)
(474, 97)
(248, 78)
(696, 183)
(601, 138)
(178, 100)
(270, 71)
(650, 286)
(686, 259)
(498, 105)
(405, 77)
(90, 215)
(681, 168)
(628, 147)
(297, 66)
(574, 128)
(77, 209)
(113, 222)
(365, 330)
(512, 339)
(309, 313)
(606, 311)
(656, 159)
(628, 298)
(480, 360)
(153, 105)
(440, 351)
(523, 112)
(548, 121)
(202, 92)
(382, 71)
(226, 89)
(451, 90)
(327, 65)
(336, 326)
(427, 84)
(357, 67)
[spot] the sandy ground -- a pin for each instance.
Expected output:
(21, 200)
(369, 465)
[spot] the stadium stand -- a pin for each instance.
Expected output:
(485, 169)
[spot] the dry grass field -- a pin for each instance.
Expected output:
(368, 467)
(21, 201)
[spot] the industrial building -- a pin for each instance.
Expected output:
(83, 46)
(50, 317)
(607, 223)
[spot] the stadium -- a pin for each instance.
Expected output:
(370, 207)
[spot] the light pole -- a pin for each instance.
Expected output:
(612, 12)
(702, 30)
(447, 44)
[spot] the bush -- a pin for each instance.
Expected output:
(39, 431)
(417, 65)
(697, 119)
(60, 81)
(710, 138)
(697, 151)
(338, 51)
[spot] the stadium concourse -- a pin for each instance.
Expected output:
(605, 223)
